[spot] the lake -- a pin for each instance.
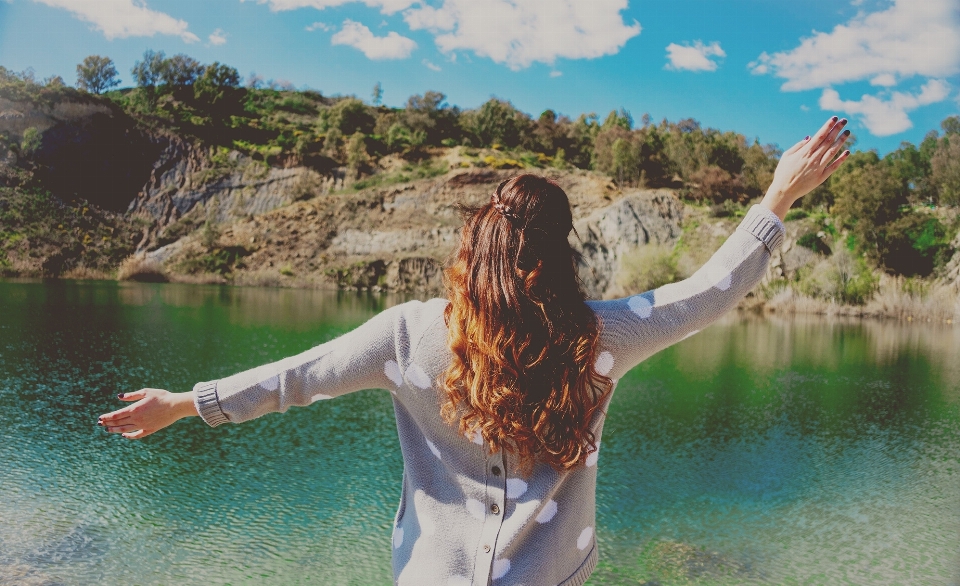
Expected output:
(760, 451)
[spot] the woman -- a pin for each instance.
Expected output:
(500, 392)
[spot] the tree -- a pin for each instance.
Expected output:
(945, 169)
(496, 122)
(217, 81)
(377, 94)
(149, 72)
(97, 74)
(181, 71)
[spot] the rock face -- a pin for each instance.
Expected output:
(610, 233)
(399, 238)
(951, 272)
(184, 178)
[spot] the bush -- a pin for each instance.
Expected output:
(814, 241)
(648, 267)
(842, 278)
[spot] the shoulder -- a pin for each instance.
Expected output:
(415, 319)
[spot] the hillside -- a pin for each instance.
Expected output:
(263, 186)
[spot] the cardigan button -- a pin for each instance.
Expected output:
(495, 509)
(496, 470)
(486, 549)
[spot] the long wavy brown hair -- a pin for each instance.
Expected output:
(524, 342)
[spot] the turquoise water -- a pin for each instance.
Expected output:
(758, 451)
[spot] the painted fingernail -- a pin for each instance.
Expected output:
(846, 133)
(845, 153)
(834, 119)
(121, 395)
(844, 121)
(806, 137)
(100, 423)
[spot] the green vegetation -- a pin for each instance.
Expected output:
(896, 213)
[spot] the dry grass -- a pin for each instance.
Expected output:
(139, 268)
(86, 274)
(895, 298)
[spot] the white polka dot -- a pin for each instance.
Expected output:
(604, 363)
(423, 503)
(691, 334)
(458, 581)
(719, 277)
(593, 456)
(272, 383)
(584, 540)
(392, 370)
(319, 397)
(475, 437)
(476, 509)
(641, 306)
(397, 537)
(548, 512)
(418, 377)
(515, 488)
(500, 568)
(433, 449)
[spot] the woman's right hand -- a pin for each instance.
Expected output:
(806, 165)
(154, 409)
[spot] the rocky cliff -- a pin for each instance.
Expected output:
(399, 237)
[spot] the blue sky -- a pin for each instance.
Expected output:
(765, 68)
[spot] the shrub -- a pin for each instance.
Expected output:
(139, 268)
(814, 241)
(648, 267)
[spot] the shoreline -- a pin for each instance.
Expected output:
(940, 307)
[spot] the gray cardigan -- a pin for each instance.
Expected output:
(465, 516)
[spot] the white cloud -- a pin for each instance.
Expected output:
(319, 26)
(884, 117)
(358, 36)
(884, 80)
(385, 6)
(804, 108)
(120, 19)
(521, 32)
(911, 37)
(431, 66)
(693, 58)
(217, 37)
(556, 73)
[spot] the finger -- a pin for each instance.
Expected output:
(824, 131)
(835, 148)
(140, 433)
(832, 134)
(796, 147)
(121, 428)
(833, 166)
(118, 414)
(120, 420)
(134, 396)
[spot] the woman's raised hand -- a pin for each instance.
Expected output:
(154, 409)
(806, 165)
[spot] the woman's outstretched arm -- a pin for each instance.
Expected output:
(361, 359)
(638, 326)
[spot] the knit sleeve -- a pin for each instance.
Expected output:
(637, 327)
(359, 359)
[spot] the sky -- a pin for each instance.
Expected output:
(768, 69)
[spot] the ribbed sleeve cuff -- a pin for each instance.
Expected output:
(765, 225)
(208, 405)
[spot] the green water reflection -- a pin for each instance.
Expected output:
(758, 451)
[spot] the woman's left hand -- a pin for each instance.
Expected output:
(154, 409)
(806, 165)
